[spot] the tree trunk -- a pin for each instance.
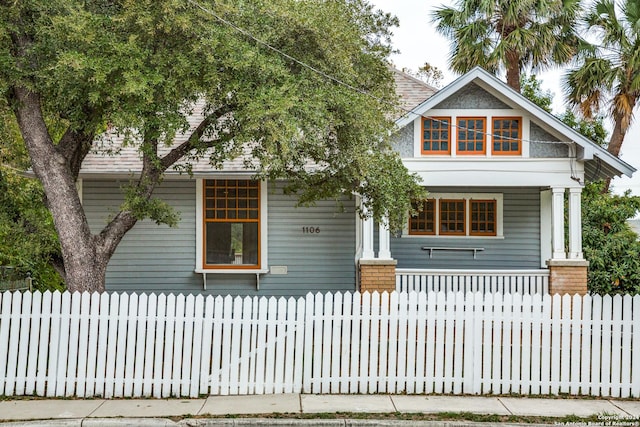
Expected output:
(513, 71)
(615, 145)
(84, 263)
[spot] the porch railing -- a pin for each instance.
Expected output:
(486, 281)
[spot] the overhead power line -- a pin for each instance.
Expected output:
(336, 80)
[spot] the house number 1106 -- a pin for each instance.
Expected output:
(310, 230)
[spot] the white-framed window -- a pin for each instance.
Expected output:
(449, 215)
(231, 225)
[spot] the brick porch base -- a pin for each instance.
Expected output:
(377, 275)
(567, 276)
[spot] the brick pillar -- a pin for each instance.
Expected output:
(567, 276)
(377, 275)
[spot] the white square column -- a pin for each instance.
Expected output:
(575, 224)
(384, 240)
(367, 234)
(557, 223)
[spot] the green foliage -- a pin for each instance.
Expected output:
(137, 67)
(28, 241)
(531, 88)
(609, 244)
(27, 238)
(155, 209)
(605, 76)
(511, 35)
(591, 128)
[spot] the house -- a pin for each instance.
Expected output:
(499, 171)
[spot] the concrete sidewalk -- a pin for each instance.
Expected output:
(155, 412)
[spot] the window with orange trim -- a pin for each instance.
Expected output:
(231, 223)
(436, 135)
(507, 136)
(424, 222)
(452, 217)
(483, 221)
(471, 133)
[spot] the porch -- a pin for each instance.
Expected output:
(531, 251)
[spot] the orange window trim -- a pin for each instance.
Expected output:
(494, 222)
(437, 140)
(465, 141)
(422, 218)
(205, 220)
(499, 151)
(441, 218)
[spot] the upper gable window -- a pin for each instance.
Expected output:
(436, 135)
(471, 135)
(507, 136)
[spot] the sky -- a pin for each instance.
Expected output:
(418, 42)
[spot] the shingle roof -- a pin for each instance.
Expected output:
(412, 91)
(111, 156)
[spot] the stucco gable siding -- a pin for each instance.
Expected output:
(403, 141)
(539, 148)
(472, 96)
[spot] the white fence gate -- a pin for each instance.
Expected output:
(121, 345)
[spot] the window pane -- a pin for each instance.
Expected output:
(231, 224)
(435, 135)
(506, 135)
(483, 219)
(231, 243)
(423, 222)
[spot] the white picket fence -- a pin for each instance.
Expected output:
(121, 345)
(485, 281)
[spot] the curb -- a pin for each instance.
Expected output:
(256, 422)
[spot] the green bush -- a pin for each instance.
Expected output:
(610, 245)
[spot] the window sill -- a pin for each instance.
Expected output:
(231, 271)
(436, 236)
(205, 271)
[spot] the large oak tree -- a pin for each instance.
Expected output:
(271, 74)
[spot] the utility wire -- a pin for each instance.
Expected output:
(327, 76)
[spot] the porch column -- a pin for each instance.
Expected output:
(557, 214)
(384, 240)
(367, 238)
(567, 275)
(376, 274)
(575, 224)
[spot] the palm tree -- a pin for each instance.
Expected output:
(608, 72)
(509, 35)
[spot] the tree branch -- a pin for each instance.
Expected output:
(75, 146)
(152, 171)
(194, 139)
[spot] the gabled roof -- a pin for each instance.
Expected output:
(412, 91)
(605, 164)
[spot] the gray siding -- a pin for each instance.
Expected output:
(472, 96)
(150, 257)
(154, 258)
(519, 249)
